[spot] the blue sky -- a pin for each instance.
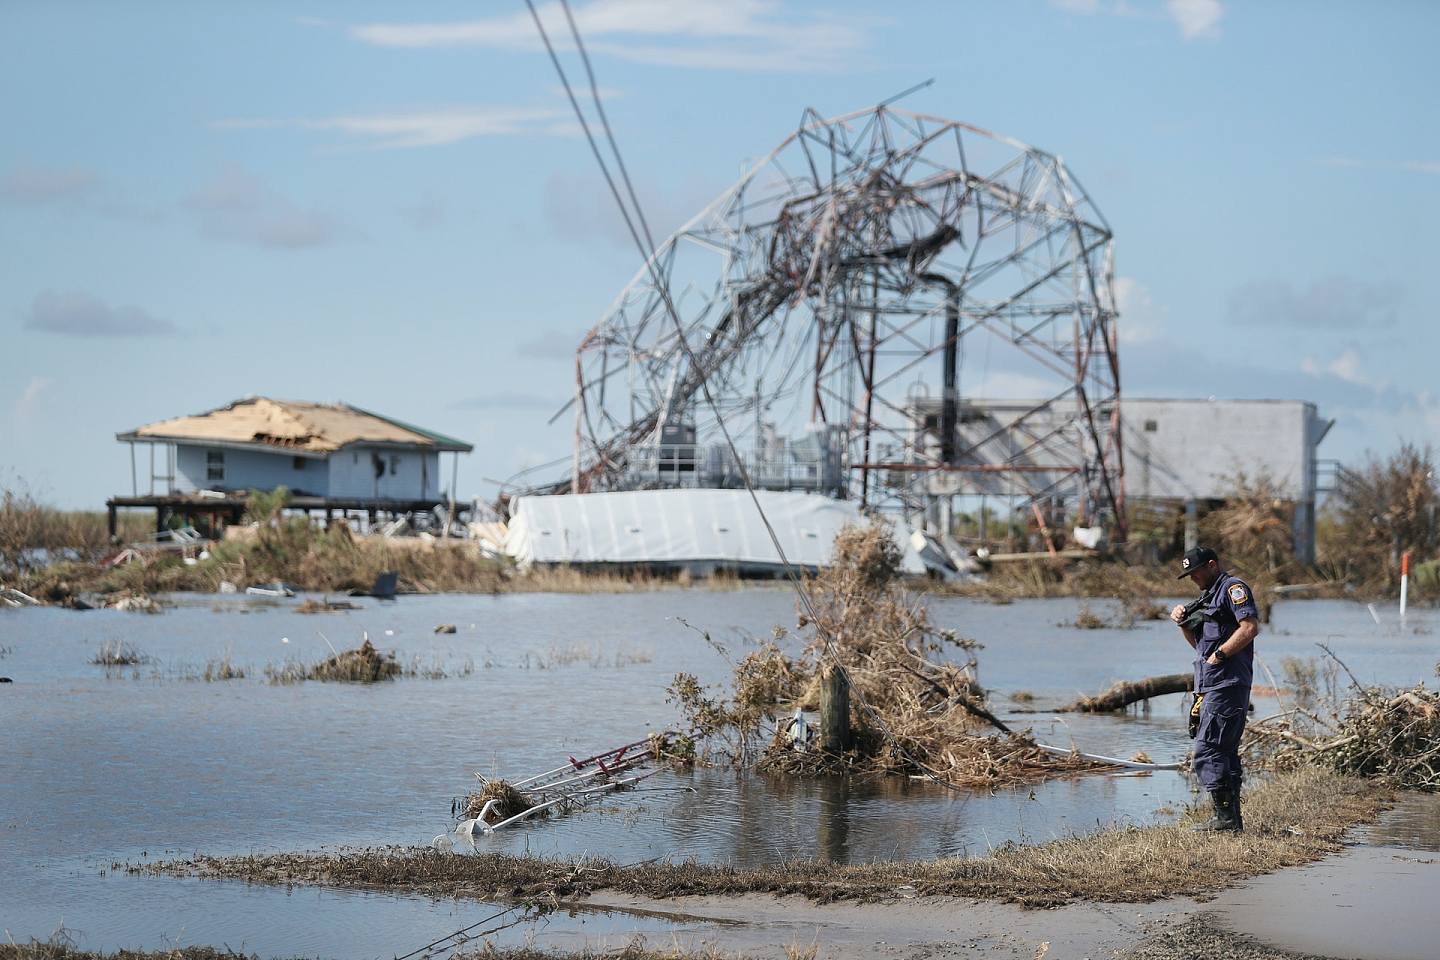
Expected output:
(389, 203)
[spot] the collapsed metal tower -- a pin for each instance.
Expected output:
(836, 292)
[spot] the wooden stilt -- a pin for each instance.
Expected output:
(834, 710)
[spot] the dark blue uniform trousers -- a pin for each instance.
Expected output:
(1217, 742)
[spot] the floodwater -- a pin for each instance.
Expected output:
(149, 762)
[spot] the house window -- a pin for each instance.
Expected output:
(214, 466)
(394, 464)
(298, 463)
(1151, 426)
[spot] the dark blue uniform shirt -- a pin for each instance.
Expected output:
(1228, 601)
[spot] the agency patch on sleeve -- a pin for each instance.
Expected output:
(1238, 594)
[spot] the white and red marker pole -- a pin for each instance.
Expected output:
(1404, 581)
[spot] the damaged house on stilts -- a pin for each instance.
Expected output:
(334, 458)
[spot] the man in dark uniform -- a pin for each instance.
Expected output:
(1221, 626)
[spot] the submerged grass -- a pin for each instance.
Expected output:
(119, 653)
(1292, 818)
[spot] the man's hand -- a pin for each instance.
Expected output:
(1178, 614)
(1213, 660)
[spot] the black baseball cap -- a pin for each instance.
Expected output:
(1194, 559)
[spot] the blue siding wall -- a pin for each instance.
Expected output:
(408, 474)
(249, 470)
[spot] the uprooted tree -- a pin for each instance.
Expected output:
(916, 705)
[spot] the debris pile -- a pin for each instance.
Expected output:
(575, 783)
(1382, 734)
(130, 601)
(915, 703)
(510, 802)
(364, 664)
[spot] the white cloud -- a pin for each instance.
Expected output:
(30, 397)
(1197, 19)
(1347, 366)
(749, 35)
(236, 206)
(1141, 318)
(428, 127)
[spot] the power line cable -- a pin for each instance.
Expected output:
(648, 253)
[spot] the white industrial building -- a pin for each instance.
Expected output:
(1189, 452)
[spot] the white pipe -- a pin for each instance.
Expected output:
(1113, 761)
(526, 814)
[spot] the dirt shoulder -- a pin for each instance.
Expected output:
(1294, 818)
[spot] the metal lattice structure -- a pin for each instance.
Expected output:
(838, 288)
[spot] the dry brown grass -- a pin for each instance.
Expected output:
(29, 527)
(1290, 819)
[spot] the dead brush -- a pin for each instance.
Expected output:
(916, 704)
(511, 802)
(1377, 733)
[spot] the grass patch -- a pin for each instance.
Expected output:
(119, 653)
(221, 670)
(1293, 818)
(589, 654)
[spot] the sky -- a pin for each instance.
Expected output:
(390, 204)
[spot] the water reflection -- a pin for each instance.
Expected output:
(171, 766)
(1413, 823)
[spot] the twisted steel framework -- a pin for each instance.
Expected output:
(840, 279)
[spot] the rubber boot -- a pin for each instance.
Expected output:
(1226, 816)
(1235, 800)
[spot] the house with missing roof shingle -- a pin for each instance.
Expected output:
(332, 457)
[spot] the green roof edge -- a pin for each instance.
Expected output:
(445, 443)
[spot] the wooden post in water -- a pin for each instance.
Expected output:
(834, 710)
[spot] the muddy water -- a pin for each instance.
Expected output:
(147, 762)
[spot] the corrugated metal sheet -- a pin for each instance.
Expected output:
(681, 527)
